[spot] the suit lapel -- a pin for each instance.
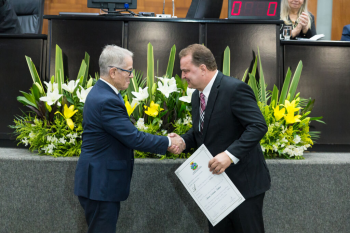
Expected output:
(195, 110)
(211, 103)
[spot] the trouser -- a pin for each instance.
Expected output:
(101, 216)
(246, 218)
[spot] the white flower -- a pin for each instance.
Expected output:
(168, 86)
(262, 148)
(275, 148)
(71, 86)
(49, 148)
(72, 141)
(62, 140)
(51, 86)
(75, 135)
(141, 95)
(54, 140)
(178, 121)
(164, 132)
(297, 139)
(31, 135)
(52, 97)
(49, 138)
(82, 94)
(189, 93)
(160, 122)
(140, 124)
(25, 141)
(133, 102)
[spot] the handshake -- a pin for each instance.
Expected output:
(177, 144)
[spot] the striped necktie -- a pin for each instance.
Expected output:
(202, 110)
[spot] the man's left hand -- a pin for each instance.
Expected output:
(219, 163)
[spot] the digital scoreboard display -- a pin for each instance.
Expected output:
(254, 9)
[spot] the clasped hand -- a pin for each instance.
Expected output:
(177, 144)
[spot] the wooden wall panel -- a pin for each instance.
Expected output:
(312, 7)
(340, 17)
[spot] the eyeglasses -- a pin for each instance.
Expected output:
(129, 71)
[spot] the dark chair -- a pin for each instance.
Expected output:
(30, 14)
(201, 9)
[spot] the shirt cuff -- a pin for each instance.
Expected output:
(169, 141)
(233, 158)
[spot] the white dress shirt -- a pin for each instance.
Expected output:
(206, 93)
(117, 92)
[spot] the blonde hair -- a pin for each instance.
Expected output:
(285, 9)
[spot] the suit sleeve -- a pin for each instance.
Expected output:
(189, 140)
(245, 108)
(189, 137)
(116, 122)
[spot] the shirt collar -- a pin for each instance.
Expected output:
(207, 89)
(113, 88)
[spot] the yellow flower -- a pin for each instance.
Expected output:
(153, 109)
(67, 114)
(129, 108)
(291, 119)
(279, 113)
(290, 106)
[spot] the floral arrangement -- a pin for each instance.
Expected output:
(159, 105)
(54, 124)
(156, 105)
(286, 114)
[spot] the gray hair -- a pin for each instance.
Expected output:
(112, 55)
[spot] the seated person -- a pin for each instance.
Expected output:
(9, 23)
(346, 33)
(295, 13)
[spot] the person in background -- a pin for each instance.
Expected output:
(9, 23)
(346, 33)
(295, 13)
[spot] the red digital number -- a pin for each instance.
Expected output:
(239, 8)
(268, 10)
(248, 8)
(260, 9)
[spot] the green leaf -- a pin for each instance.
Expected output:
(81, 72)
(87, 61)
(253, 85)
(255, 65)
(227, 62)
(59, 61)
(285, 86)
(59, 78)
(274, 96)
(25, 101)
(170, 68)
(295, 81)
(33, 72)
(245, 75)
(150, 69)
(35, 92)
(262, 81)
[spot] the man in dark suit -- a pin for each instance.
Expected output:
(346, 33)
(227, 120)
(9, 23)
(104, 169)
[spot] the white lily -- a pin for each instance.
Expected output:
(167, 86)
(52, 97)
(51, 86)
(189, 93)
(82, 94)
(71, 86)
(141, 95)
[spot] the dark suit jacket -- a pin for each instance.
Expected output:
(106, 162)
(9, 23)
(233, 122)
(346, 33)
